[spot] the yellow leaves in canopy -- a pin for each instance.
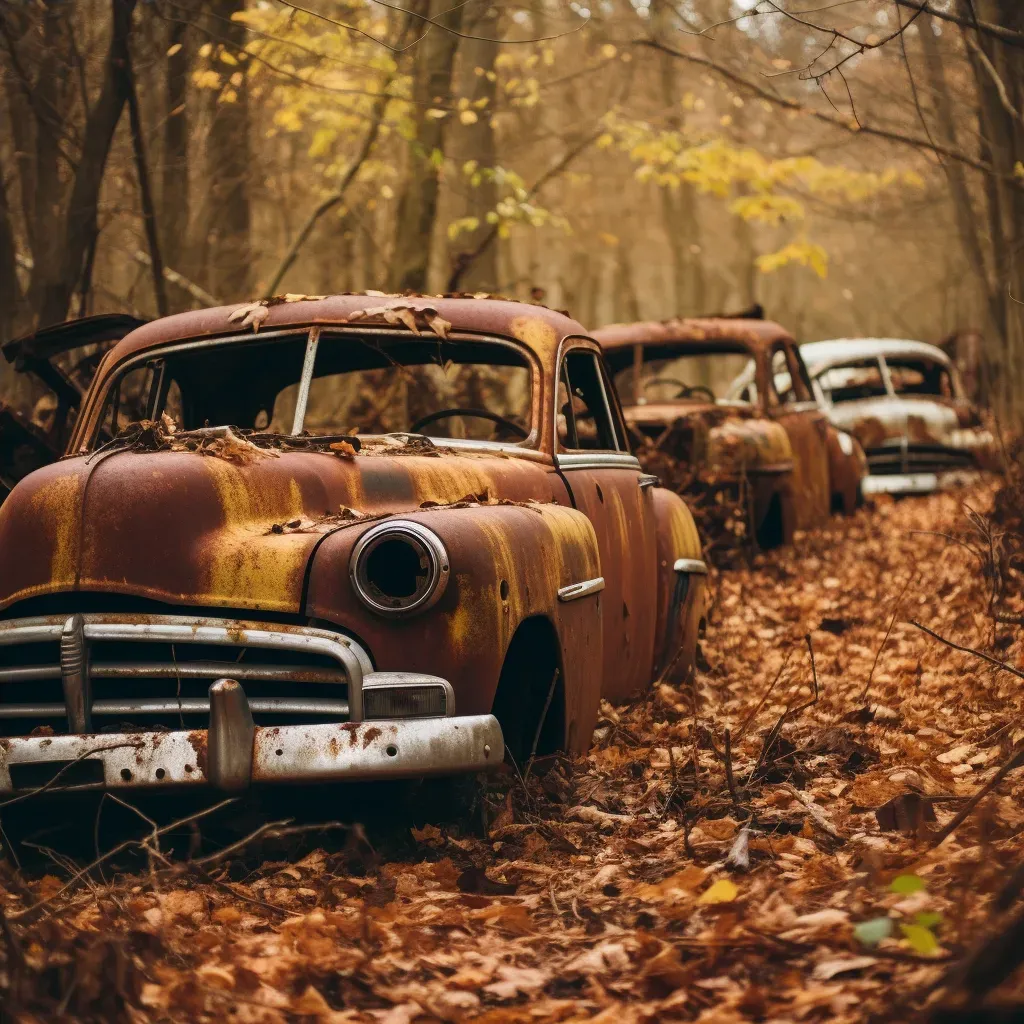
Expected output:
(807, 254)
(605, 141)
(767, 208)
(468, 117)
(288, 119)
(1018, 169)
(468, 224)
(172, 50)
(608, 51)
(436, 113)
(207, 79)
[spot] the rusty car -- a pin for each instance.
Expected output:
(57, 364)
(729, 398)
(336, 538)
(906, 405)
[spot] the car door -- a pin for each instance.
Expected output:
(791, 403)
(606, 483)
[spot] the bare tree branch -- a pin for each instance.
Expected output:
(1005, 35)
(836, 122)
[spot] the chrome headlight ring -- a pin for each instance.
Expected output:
(399, 567)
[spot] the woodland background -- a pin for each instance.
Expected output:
(856, 167)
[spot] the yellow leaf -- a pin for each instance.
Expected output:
(608, 238)
(605, 140)
(437, 114)
(469, 117)
(206, 49)
(725, 121)
(227, 58)
(171, 51)
(723, 891)
(387, 192)
(469, 168)
(608, 51)
(1018, 169)
(228, 96)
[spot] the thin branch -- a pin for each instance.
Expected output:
(336, 196)
(1006, 35)
(892, 622)
(970, 650)
(836, 122)
(464, 260)
(990, 70)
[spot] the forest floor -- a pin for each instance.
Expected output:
(731, 851)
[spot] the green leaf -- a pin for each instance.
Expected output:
(920, 939)
(928, 919)
(870, 933)
(906, 884)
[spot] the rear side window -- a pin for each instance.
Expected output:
(585, 418)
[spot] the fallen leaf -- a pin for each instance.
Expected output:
(828, 969)
(870, 933)
(723, 891)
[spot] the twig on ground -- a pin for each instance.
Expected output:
(892, 622)
(969, 650)
(1015, 761)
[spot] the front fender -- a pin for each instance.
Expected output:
(534, 550)
(681, 596)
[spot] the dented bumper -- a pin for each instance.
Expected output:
(323, 752)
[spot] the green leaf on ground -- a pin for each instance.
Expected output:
(906, 884)
(870, 933)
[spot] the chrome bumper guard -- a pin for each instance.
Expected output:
(918, 483)
(233, 754)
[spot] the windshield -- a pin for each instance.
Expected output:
(853, 381)
(477, 390)
(919, 377)
(699, 376)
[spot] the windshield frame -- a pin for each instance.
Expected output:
(644, 352)
(90, 423)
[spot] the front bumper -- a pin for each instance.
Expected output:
(918, 483)
(323, 752)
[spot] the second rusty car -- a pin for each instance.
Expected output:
(730, 396)
(336, 538)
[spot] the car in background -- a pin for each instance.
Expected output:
(906, 405)
(335, 538)
(728, 400)
(58, 363)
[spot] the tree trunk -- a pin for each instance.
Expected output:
(432, 89)
(81, 218)
(476, 142)
(49, 102)
(11, 309)
(174, 187)
(225, 218)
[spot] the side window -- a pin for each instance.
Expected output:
(781, 378)
(584, 416)
(789, 376)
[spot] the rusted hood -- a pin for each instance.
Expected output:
(877, 422)
(725, 437)
(201, 530)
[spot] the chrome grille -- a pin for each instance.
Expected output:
(111, 672)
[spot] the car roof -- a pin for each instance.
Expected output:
(820, 354)
(539, 328)
(755, 333)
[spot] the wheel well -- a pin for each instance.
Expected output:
(771, 531)
(531, 662)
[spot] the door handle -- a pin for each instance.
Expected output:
(648, 480)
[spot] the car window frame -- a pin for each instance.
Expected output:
(96, 408)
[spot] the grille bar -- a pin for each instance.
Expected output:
(183, 670)
(332, 706)
(185, 634)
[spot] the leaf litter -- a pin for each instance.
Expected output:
(723, 854)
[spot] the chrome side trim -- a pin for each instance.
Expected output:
(574, 591)
(694, 566)
(179, 629)
(647, 481)
(597, 460)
